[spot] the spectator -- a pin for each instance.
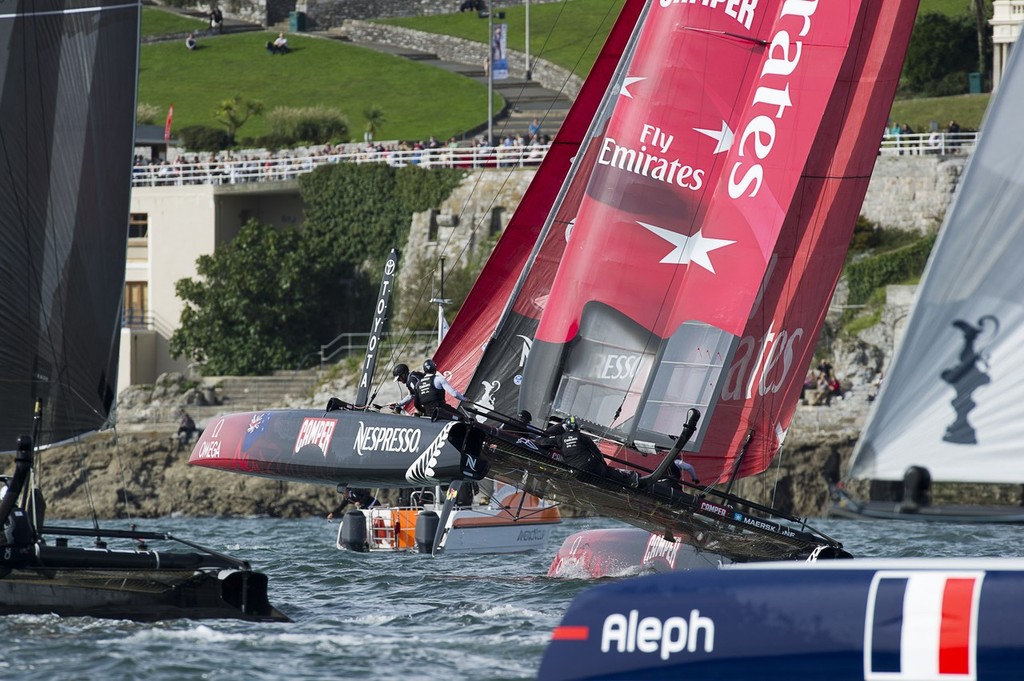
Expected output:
(279, 45)
(186, 427)
(216, 20)
(190, 41)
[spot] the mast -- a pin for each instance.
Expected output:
(441, 302)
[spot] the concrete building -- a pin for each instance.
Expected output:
(1007, 18)
(170, 227)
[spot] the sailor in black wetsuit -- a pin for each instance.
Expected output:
(410, 379)
(431, 393)
(360, 498)
(582, 454)
(519, 426)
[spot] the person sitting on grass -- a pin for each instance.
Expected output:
(279, 45)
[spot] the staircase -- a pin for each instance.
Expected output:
(525, 99)
(222, 395)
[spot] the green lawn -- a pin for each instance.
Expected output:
(967, 110)
(157, 22)
(418, 101)
(569, 34)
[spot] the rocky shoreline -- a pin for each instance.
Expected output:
(141, 472)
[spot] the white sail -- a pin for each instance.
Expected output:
(951, 400)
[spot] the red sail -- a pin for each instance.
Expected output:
(464, 344)
(724, 187)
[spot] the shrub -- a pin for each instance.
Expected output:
(312, 125)
(146, 114)
(204, 138)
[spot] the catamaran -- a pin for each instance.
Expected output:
(664, 280)
(67, 115)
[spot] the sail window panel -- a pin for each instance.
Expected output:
(606, 367)
(688, 375)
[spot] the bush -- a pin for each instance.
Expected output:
(893, 267)
(146, 114)
(204, 138)
(310, 125)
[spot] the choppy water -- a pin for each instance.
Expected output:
(380, 616)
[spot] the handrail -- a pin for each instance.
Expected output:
(263, 166)
(347, 343)
(937, 143)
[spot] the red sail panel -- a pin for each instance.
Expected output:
(464, 344)
(680, 221)
(763, 382)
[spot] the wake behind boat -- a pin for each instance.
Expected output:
(67, 112)
(948, 410)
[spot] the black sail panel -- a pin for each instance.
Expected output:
(67, 116)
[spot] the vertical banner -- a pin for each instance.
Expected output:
(380, 318)
(167, 125)
(499, 52)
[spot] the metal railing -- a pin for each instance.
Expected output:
(938, 143)
(265, 167)
(348, 343)
(262, 166)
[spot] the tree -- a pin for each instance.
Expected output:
(941, 50)
(374, 121)
(234, 112)
(264, 301)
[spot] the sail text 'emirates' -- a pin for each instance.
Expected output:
(759, 134)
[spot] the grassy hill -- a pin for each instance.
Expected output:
(417, 100)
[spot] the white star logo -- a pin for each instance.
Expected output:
(724, 137)
(626, 82)
(688, 249)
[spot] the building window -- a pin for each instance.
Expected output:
(138, 226)
(135, 311)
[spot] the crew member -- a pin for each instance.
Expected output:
(519, 426)
(410, 379)
(675, 472)
(360, 498)
(582, 454)
(431, 390)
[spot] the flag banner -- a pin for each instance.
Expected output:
(167, 125)
(499, 52)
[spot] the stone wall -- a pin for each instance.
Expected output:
(912, 192)
(461, 51)
(321, 15)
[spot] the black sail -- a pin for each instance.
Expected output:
(68, 75)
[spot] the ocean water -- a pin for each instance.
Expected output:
(380, 616)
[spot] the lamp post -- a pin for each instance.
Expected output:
(529, 73)
(490, 77)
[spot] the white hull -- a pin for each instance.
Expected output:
(503, 526)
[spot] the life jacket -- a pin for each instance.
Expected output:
(580, 452)
(430, 396)
(411, 382)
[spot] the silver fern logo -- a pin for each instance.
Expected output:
(421, 472)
